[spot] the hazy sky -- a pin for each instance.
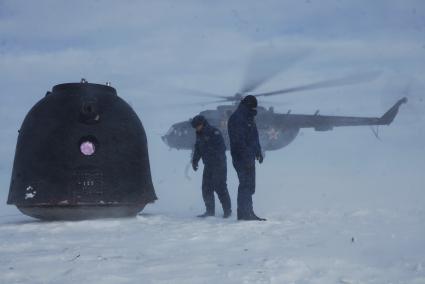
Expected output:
(147, 48)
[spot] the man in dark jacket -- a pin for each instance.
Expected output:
(211, 148)
(245, 149)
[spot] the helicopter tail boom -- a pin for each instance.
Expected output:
(389, 116)
(326, 123)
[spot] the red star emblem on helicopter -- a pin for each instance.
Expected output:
(273, 134)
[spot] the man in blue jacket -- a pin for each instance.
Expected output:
(211, 148)
(245, 149)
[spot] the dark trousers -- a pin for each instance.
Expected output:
(215, 179)
(246, 176)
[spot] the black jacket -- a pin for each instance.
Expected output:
(243, 135)
(209, 146)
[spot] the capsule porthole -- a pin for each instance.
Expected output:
(87, 148)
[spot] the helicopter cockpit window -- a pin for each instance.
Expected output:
(170, 131)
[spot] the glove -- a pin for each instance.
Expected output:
(194, 166)
(260, 158)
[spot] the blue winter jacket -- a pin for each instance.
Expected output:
(210, 147)
(243, 135)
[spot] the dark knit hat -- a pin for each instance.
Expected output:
(197, 120)
(250, 101)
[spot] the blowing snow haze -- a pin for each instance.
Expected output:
(150, 50)
(208, 46)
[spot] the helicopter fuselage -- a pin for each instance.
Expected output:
(276, 130)
(272, 132)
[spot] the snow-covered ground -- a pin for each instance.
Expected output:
(362, 246)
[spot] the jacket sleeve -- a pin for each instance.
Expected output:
(257, 142)
(196, 153)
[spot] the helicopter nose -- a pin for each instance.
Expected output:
(164, 138)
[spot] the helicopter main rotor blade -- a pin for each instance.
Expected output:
(273, 104)
(197, 93)
(212, 102)
(191, 104)
(344, 81)
(267, 63)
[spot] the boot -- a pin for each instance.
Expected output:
(240, 215)
(227, 213)
(256, 218)
(206, 214)
(249, 217)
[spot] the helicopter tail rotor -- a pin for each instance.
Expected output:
(389, 116)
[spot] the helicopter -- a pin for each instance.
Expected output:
(277, 130)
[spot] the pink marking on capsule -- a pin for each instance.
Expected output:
(87, 148)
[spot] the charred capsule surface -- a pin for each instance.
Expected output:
(81, 153)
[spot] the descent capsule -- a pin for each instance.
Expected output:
(81, 153)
